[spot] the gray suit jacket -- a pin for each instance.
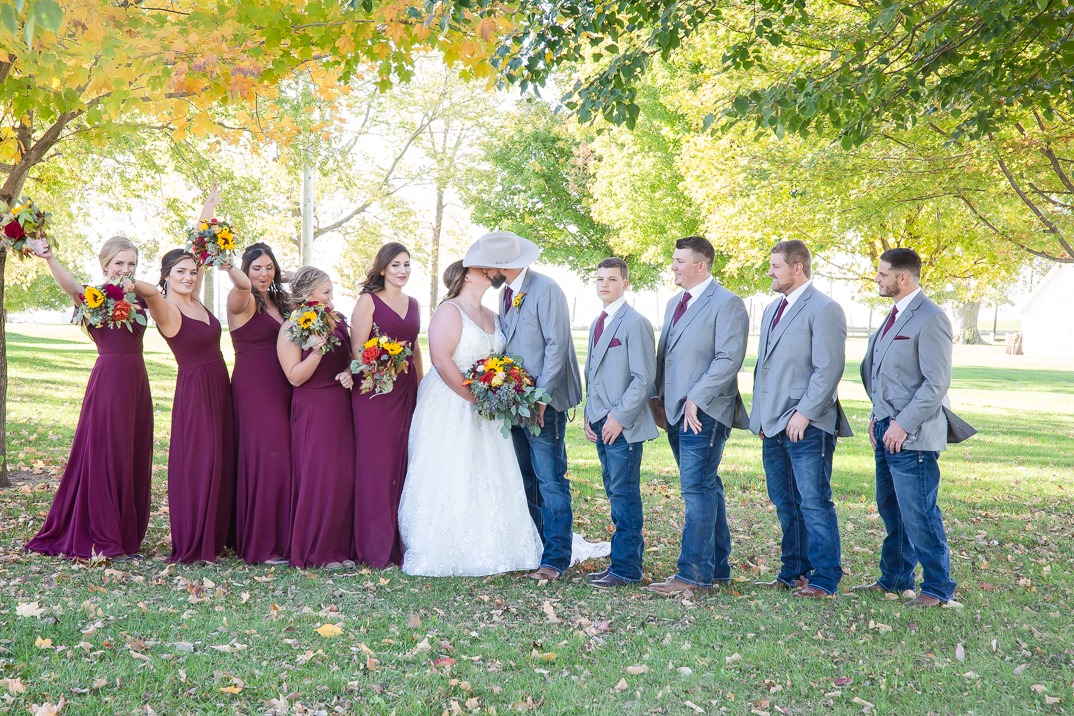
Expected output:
(539, 332)
(799, 364)
(908, 371)
(699, 358)
(620, 372)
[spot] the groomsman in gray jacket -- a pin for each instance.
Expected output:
(696, 399)
(620, 371)
(796, 412)
(536, 322)
(907, 371)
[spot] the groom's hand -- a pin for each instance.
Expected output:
(659, 415)
(612, 429)
(589, 434)
(540, 414)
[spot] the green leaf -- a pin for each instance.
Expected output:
(8, 18)
(49, 14)
(28, 31)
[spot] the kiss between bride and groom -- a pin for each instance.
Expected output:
(474, 502)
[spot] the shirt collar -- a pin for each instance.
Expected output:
(796, 294)
(699, 288)
(904, 302)
(516, 285)
(614, 307)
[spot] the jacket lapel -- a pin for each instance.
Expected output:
(512, 314)
(766, 330)
(601, 347)
(691, 313)
(788, 316)
(885, 342)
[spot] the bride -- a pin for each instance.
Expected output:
(463, 511)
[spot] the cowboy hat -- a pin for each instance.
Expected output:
(501, 249)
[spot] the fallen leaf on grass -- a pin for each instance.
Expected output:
(231, 689)
(184, 646)
(1052, 700)
(14, 686)
(328, 630)
(1039, 688)
(733, 657)
(43, 643)
(842, 680)
(1019, 669)
(695, 707)
(423, 645)
(685, 670)
(550, 613)
(414, 622)
(866, 707)
(636, 669)
(621, 686)
(444, 661)
(960, 653)
(29, 609)
(48, 708)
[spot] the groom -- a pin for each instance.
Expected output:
(536, 324)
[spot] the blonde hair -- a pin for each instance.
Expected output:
(113, 247)
(305, 281)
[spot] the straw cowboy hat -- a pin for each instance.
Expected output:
(501, 249)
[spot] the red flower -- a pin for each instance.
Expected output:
(121, 312)
(14, 231)
(487, 378)
(313, 303)
(113, 292)
(370, 355)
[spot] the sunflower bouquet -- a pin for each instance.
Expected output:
(22, 223)
(108, 306)
(309, 322)
(505, 392)
(382, 360)
(211, 241)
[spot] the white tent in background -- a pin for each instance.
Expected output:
(1048, 316)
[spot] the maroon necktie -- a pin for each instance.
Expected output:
(891, 320)
(507, 296)
(779, 312)
(681, 308)
(599, 330)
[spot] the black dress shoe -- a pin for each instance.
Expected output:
(609, 581)
(593, 576)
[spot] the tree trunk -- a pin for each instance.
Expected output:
(968, 312)
(4, 481)
(208, 285)
(434, 248)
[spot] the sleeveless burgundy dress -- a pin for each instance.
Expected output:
(381, 432)
(262, 398)
(322, 455)
(201, 457)
(102, 504)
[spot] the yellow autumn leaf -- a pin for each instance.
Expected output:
(43, 643)
(231, 689)
(328, 630)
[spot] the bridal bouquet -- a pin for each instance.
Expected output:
(309, 322)
(505, 392)
(109, 306)
(21, 224)
(382, 360)
(211, 241)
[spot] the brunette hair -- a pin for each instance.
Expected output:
(699, 245)
(306, 279)
(168, 262)
(454, 278)
(616, 263)
(903, 261)
(279, 297)
(374, 278)
(795, 252)
(112, 248)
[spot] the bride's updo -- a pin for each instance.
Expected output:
(454, 279)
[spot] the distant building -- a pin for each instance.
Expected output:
(1048, 316)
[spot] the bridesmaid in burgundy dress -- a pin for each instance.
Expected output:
(322, 436)
(382, 422)
(256, 308)
(102, 504)
(201, 456)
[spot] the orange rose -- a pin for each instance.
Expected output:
(121, 312)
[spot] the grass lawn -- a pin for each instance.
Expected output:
(149, 637)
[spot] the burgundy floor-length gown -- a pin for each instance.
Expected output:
(381, 430)
(102, 504)
(262, 398)
(322, 449)
(201, 457)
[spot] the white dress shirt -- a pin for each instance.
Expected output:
(696, 291)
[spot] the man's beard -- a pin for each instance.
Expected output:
(498, 279)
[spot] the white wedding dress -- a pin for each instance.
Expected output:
(463, 510)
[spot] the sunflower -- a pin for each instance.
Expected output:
(306, 319)
(226, 243)
(370, 343)
(93, 297)
(393, 348)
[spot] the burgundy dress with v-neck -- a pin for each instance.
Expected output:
(262, 397)
(381, 432)
(201, 457)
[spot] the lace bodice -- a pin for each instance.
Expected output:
(474, 343)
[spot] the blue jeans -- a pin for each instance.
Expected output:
(907, 484)
(620, 467)
(706, 539)
(543, 461)
(799, 478)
